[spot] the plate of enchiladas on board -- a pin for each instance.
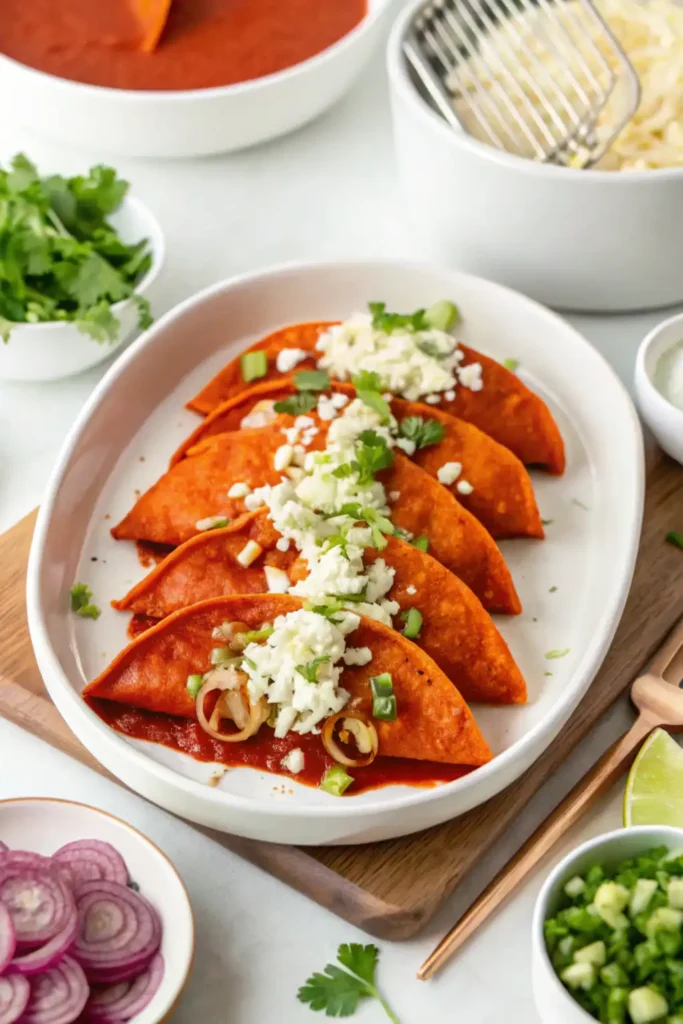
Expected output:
(325, 556)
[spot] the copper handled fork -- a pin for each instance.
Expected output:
(659, 699)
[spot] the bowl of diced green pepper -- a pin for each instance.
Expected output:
(607, 940)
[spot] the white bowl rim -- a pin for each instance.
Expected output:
(401, 83)
(666, 407)
(179, 984)
(158, 251)
(374, 11)
(590, 661)
(540, 905)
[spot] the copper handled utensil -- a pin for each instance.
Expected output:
(659, 699)
(152, 16)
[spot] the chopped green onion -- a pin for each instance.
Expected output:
(194, 685)
(511, 364)
(254, 636)
(557, 653)
(675, 538)
(81, 602)
(310, 671)
(442, 315)
(336, 780)
(383, 699)
(312, 380)
(421, 542)
(413, 621)
(221, 655)
(253, 365)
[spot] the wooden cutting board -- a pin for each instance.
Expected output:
(390, 889)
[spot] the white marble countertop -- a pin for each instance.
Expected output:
(326, 192)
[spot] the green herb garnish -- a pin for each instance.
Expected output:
(60, 259)
(421, 542)
(367, 387)
(312, 380)
(254, 365)
(348, 469)
(194, 685)
(335, 781)
(372, 455)
(339, 992)
(413, 623)
(511, 364)
(310, 671)
(297, 405)
(383, 699)
(255, 636)
(329, 609)
(550, 655)
(422, 432)
(675, 538)
(81, 602)
(390, 322)
(547, 522)
(553, 589)
(442, 315)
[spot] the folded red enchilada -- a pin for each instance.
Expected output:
(245, 667)
(491, 482)
(449, 622)
(415, 358)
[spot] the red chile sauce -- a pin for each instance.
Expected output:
(265, 752)
(205, 43)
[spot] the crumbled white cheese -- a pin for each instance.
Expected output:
(410, 589)
(249, 553)
(256, 499)
(303, 422)
(408, 363)
(405, 445)
(211, 523)
(464, 487)
(260, 415)
(470, 377)
(327, 410)
(288, 358)
(357, 655)
(282, 543)
(449, 395)
(239, 490)
(291, 435)
(433, 399)
(277, 581)
(449, 472)
(293, 761)
(394, 495)
(283, 457)
(339, 400)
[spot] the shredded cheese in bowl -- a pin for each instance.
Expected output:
(651, 34)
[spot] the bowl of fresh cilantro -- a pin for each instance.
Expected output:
(78, 257)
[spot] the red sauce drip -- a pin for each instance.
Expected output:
(265, 752)
(205, 43)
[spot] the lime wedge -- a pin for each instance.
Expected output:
(654, 789)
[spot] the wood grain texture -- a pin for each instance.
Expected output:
(391, 889)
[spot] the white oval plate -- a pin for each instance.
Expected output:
(136, 417)
(42, 825)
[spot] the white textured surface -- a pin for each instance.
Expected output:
(326, 191)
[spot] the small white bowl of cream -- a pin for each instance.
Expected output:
(659, 384)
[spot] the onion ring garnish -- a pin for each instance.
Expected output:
(358, 730)
(233, 703)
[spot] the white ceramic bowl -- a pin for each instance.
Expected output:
(587, 558)
(664, 419)
(42, 825)
(50, 351)
(190, 122)
(588, 240)
(554, 1004)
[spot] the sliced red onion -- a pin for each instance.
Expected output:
(24, 859)
(50, 953)
(58, 995)
(38, 900)
(14, 995)
(121, 974)
(118, 927)
(8, 939)
(102, 1006)
(88, 859)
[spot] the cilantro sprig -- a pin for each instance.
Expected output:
(368, 387)
(390, 322)
(339, 992)
(422, 432)
(82, 602)
(60, 259)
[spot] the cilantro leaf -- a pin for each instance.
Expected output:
(297, 405)
(99, 322)
(81, 601)
(339, 992)
(390, 322)
(372, 455)
(422, 432)
(367, 389)
(312, 380)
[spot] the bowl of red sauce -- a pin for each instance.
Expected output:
(224, 75)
